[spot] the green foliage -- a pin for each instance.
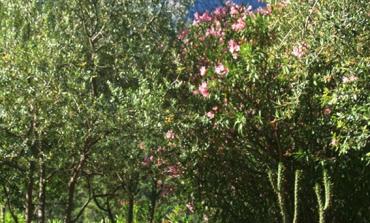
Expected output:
(107, 109)
(81, 88)
(286, 88)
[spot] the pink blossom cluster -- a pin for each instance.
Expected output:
(215, 32)
(161, 149)
(148, 160)
(203, 71)
(211, 114)
(349, 79)
(220, 12)
(221, 70)
(170, 135)
(239, 25)
(224, 25)
(300, 50)
(173, 171)
(203, 89)
(201, 18)
(216, 20)
(234, 48)
(190, 207)
(183, 34)
(327, 111)
(265, 10)
(236, 10)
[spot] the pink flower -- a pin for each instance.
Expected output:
(170, 135)
(300, 50)
(148, 160)
(159, 162)
(239, 25)
(183, 34)
(173, 171)
(247, 10)
(203, 71)
(196, 18)
(216, 32)
(215, 108)
(210, 114)
(265, 10)
(205, 17)
(218, 25)
(221, 69)
(234, 10)
(234, 48)
(334, 142)
(327, 111)
(190, 207)
(220, 11)
(203, 89)
(161, 149)
(349, 79)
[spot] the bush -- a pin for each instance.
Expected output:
(284, 84)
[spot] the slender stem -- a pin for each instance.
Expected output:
(320, 203)
(297, 179)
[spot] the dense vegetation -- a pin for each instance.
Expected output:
(134, 111)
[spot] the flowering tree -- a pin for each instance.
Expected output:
(251, 113)
(261, 85)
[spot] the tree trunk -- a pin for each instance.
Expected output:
(153, 201)
(71, 189)
(70, 201)
(42, 195)
(130, 211)
(29, 194)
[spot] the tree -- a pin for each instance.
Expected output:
(255, 84)
(62, 65)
